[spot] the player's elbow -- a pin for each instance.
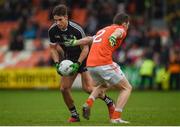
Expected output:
(64, 88)
(88, 40)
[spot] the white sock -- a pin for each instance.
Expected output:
(92, 97)
(118, 109)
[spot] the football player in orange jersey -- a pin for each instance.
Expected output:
(104, 71)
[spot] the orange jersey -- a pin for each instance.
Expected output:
(101, 51)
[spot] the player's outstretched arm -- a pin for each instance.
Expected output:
(84, 41)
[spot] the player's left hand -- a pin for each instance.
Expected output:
(112, 40)
(71, 42)
(75, 67)
(57, 65)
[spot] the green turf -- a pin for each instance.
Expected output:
(46, 107)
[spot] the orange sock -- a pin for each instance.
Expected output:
(116, 115)
(90, 102)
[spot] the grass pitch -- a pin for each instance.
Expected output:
(46, 107)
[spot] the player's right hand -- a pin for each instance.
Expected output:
(57, 65)
(71, 42)
(75, 68)
(112, 40)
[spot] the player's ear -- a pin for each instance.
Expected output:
(66, 17)
(126, 24)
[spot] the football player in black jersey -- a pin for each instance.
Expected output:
(61, 31)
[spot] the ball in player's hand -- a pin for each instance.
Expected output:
(65, 68)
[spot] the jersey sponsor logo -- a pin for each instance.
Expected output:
(67, 37)
(57, 36)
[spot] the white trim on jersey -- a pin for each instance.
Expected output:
(52, 43)
(93, 36)
(52, 26)
(78, 28)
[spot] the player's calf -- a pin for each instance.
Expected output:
(111, 109)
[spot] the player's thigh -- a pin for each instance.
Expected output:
(123, 84)
(116, 78)
(67, 81)
(111, 73)
(96, 77)
(100, 90)
(87, 80)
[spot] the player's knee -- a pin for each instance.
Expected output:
(101, 93)
(64, 89)
(87, 89)
(128, 87)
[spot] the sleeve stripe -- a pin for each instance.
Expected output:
(78, 28)
(52, 26)
(52, 43)
(122, 30)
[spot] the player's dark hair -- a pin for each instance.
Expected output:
(121, 18)
(60, 10)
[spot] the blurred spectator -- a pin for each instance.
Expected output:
(31, 29)
(16, 36)
(1, 36)
(134, 54)
(41, 62)
(175, 27)
(153, 39)
(91, 23)
(174, 68)
(105, 11)
(38, 44)
(16, 41)
(42, 31)
(12, 10)
(162, 78)
(147, 71)
(164, 56)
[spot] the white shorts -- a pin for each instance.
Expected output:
(107, 74)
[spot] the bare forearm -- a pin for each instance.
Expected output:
(85, 41)
(57, 53)
(84, 53)
(55, 56)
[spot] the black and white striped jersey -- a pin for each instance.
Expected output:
(56, 35)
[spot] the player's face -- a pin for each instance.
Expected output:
(61, 21)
